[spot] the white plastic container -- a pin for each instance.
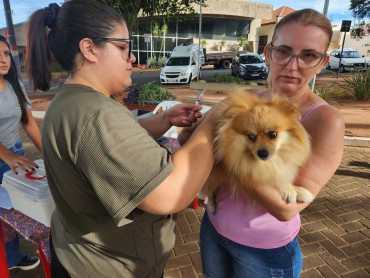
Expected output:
(31, 197)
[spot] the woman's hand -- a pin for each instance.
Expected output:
(183, 115)
(13, 160)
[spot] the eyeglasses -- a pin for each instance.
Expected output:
(129, 41)
(281, 56)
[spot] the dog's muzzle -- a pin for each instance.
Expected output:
(263, 154)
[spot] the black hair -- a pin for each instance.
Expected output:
(12, 78)
(55, 32)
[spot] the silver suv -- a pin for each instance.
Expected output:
(351, 60)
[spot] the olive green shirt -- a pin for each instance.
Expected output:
(100, 164)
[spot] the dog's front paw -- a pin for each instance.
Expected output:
(289, 195)
(303, 195)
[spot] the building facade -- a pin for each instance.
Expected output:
(223, 23)
(222, 20)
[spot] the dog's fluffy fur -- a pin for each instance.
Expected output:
(259, 142)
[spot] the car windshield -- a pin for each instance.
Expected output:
(178, 61)
(351, 54)
(250, 60)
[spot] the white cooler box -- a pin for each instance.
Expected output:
(30, 196)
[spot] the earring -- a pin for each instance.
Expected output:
(84, 52)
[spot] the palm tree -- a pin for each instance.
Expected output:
(164, 31)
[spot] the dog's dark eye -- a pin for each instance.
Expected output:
(272, 134)
(251, 137)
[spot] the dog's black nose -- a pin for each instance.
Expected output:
(263, 154)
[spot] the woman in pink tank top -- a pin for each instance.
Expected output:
(236, 242)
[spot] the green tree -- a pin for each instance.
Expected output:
(153, 10)
(360, 8)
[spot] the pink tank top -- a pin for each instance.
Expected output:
(256, 228)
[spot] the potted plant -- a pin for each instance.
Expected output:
(146, 96)
(222, 45)
(155, 63)
(242, 43)
(203, 43)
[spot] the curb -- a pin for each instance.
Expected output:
(356, 141)
(38, 114)
(145, 70)
(134, 70)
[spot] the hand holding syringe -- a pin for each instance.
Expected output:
(198, 100)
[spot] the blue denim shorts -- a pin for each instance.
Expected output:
(17, 149)
(224, 258)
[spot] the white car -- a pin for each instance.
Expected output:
(182, 66)
(351, 60)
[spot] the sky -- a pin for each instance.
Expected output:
(337, 10)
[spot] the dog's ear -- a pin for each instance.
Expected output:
(287, 106)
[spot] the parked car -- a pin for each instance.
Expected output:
(249, 66)
(182, 66)
(351, 60)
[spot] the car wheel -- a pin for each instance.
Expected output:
(225, 64)
(342, 69)
(190, 78)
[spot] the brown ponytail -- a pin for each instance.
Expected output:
(55, 33)
(38, 55)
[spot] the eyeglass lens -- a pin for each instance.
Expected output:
(129, 41)
(282, 56)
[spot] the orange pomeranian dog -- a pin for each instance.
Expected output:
(259, 142)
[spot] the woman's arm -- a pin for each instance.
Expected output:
(186, 132)
(192, 165)
(32, 130)
(14, 160)
(326, 128)
(181, 115)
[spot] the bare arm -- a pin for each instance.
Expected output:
(23, 162)
(180, 115)
(192, 165)
(33, 131)
(326, 128)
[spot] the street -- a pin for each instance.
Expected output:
(146, 77)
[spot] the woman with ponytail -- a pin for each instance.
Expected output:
(115, 188)
(14, 111)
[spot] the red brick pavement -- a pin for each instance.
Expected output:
(334, 238)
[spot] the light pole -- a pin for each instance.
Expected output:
(199, 37)
(325, 12)
(11, 34)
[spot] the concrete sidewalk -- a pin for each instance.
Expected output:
(334, 238)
